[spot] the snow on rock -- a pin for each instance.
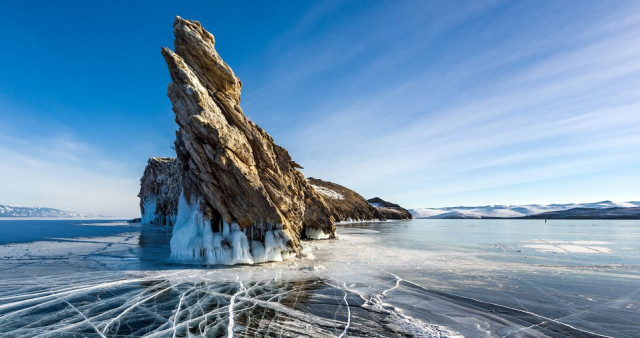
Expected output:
(328, 192)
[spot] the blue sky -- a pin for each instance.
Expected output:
(423, 103)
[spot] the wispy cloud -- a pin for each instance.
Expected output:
(533, 109)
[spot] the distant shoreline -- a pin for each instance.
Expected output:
(17, 218)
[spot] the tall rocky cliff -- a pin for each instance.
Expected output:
(160, 188)
(243, 200)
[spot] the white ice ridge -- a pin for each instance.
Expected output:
(313, 233)
(193, 240)
(232, 303)
(346, 327)
(328, 192)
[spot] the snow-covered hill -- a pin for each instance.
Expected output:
(511, 211)
(16, 211)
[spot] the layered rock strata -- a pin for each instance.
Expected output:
(243, 200)
(389, 210)
(160, 188)
(346, 205)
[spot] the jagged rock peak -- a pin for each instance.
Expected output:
(233, 172)
(204, 60)
(160, 188)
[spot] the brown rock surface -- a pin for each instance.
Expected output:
(232, 169)
(345, 204)
(390, 210)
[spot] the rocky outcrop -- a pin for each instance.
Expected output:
(243, 200)
(389, 210)
(160, 188)
(346, 205)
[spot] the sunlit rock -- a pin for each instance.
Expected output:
(389, 210)
(346, 205)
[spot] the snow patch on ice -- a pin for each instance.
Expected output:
(591, 247)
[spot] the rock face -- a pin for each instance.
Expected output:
(345, 204)
(243, 200)
(160, 188)
(390, 210)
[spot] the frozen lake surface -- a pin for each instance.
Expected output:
(426, 278)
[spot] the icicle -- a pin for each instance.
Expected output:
(194, 241)
(313, 233)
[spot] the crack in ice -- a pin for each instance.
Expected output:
(517, 311)
(241, 289)
(175, 318)
(398, 280)
(346, 328)
(81, 314)
(137, 303)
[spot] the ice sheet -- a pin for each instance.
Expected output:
(415, 278)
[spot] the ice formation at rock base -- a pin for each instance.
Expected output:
(316, 234)
(148, 211)
(194, 241)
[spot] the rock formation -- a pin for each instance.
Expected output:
(160, 188)
(243, 200)
(345, 204)
(390, 210)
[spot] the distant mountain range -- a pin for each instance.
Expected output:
(598, 210)
(16, 211)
